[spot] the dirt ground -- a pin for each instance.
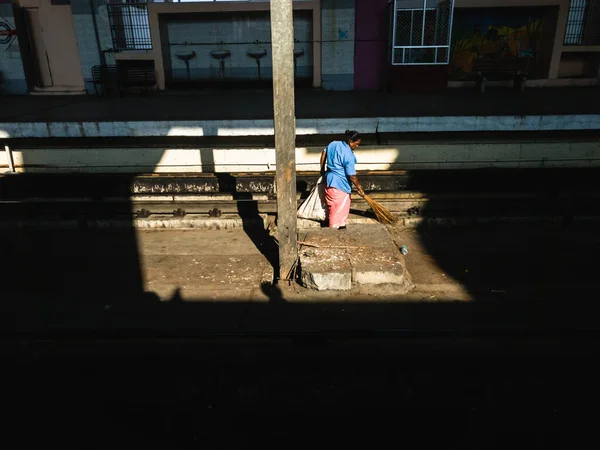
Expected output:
(221, 280)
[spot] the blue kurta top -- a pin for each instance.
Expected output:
(341, 163)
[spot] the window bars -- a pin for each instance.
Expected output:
(422, 31)
(129, 26)
(583, 23)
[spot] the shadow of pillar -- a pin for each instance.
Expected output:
(248, 210)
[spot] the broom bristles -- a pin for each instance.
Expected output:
(383, 214)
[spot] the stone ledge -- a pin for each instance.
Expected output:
(352, 220)
(364, 254)
(156, 222)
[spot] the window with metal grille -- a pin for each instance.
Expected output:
(583, 23)
(421, 31)
(129, 25)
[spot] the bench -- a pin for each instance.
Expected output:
(123, 77)
(104, 76)
(142, 77)
(484, 68)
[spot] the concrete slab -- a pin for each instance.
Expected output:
(353, 219)
(249, 113)
(306, 127)
(363, 254)
(325, 269)
(218, 223)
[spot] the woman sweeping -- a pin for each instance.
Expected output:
(341, 170)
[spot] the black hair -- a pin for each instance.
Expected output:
(352, 135)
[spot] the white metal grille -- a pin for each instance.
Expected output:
(129, 25)
(583, 23)
(422, 30)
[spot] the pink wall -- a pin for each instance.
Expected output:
(371, 45)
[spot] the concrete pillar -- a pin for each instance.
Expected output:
(561, 27)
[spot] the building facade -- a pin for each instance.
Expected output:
(51, 46)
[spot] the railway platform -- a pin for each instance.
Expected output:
(250, 112)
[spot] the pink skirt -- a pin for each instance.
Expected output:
(338, 206)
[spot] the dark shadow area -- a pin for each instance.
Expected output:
(273, 292)
(80, 334)
(52, 258)
(456, 391)
(526, 234)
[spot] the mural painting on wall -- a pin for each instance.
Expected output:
(7, 34)
(495, 36)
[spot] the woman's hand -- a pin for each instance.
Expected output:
(356, 183)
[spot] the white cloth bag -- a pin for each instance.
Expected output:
(315, 207)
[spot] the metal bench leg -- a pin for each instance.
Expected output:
(480, 83)
(519, 81)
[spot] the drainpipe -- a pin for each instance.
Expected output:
(100, 52)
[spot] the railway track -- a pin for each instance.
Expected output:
(247, 205)
(487, 193)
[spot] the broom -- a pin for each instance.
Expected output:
(383, 214)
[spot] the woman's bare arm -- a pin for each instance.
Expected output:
(356, 183)
(323, 159)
